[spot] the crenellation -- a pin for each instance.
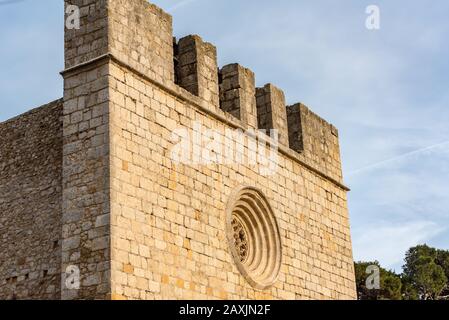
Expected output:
(295, 131)
(272, 112)
(238, 93)
(315, 138)
(91, 40)
(91, 182)
(197, 69)
(141, 35)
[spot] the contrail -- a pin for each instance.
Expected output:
(180, 4)
(4, 2)
(403, 156)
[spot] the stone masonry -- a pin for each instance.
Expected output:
(89, 181)
(30, 204)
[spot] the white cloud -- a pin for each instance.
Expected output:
(429, 150)
(388, 243)
(180, 4)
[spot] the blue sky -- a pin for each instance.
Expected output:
(387, 91)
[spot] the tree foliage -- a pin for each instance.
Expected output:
(390, 283)
(425, 277)
(424, 273)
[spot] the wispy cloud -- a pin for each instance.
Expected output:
(388, 243)
(179, 5)
(427, 150)
(5, 2)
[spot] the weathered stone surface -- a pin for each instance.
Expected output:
(197, 69)
(238, 93)
(316, 139)
(85, 182)
(271, 111)
(90, 41)
(186, 235)
(89, 181)
(141, 35)
(30, 204)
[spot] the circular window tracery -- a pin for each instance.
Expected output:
(240, 239)
(253, 236)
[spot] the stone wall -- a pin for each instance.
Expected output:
(238, 93)
(141, 35)
(197, 68)
(316, 139)
(271, 111)
(140, 225)
(85, 181)
(168, 220)
(91, 40)
(30, 204)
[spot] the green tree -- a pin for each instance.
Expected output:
(425, 277)
(390, 283)
(408, 290)
(423, 274)
(443, 261)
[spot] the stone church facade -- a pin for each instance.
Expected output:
(93, 204)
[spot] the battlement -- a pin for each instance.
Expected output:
(136, 32)
(140, 35)
(90, 187)
(315, 138)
